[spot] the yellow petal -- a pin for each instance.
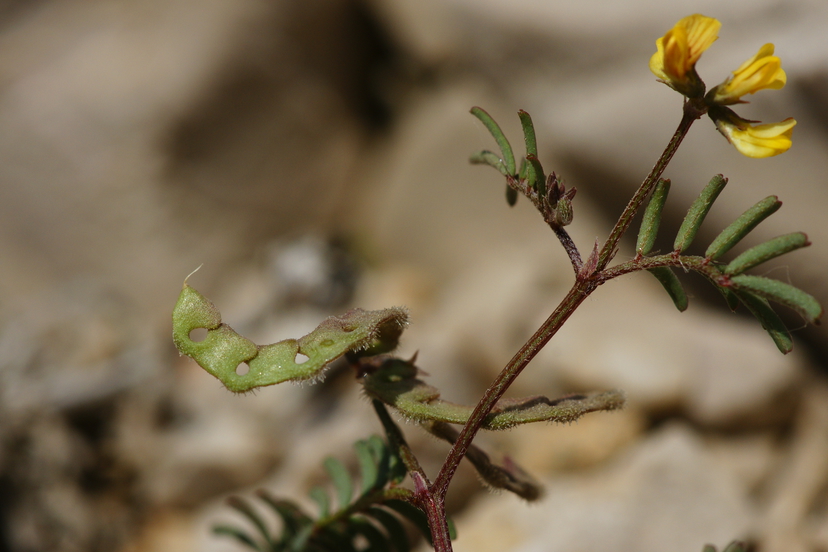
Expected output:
(701, 33)
(657, 61)
(681, 47)
(759, 141)
(762, 71)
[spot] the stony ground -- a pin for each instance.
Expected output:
(313, 156)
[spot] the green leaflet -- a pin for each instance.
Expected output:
(244, 508)
(500, 138)
(368, 464)
(528, 133)
(698, 210)
(764, 313)
(240, 536)
(341, 480)
(780, 292)
(740, 227)
(396, 384)
(652, 217)
(536, 178)
(766, 251)
(320, 496)
(729, 297)
(295, 522)
(486, 157)
(672, 285)
(412, 514)
(393, 527)
(223, 350)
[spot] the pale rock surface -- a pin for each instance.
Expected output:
(664, 492)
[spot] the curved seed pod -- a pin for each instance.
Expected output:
(698, 210)
(500, 138)
(486, 157)
(740, 227)
(766, 251)
(672, 286)
(652, 217)
(763, 312)
(780, 292)
(223, 350)
(396, 384)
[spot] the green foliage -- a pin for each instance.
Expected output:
(366, 518)
(546, 192)
(754, 292)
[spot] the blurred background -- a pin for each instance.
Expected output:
(314, 156)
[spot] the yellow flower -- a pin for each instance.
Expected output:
(678, 51)
(764, 70)
(756, 140)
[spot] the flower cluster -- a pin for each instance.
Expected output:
(674, 63)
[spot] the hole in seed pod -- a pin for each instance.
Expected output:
(242, 369)
(198, 334)
(300, 358)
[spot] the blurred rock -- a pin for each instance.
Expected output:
(667, 491)
(793, 503)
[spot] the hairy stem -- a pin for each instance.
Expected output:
(397, 440)
(575, 297)
(696, 264)
(692, 111)
(432, 505)
(570, 248)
